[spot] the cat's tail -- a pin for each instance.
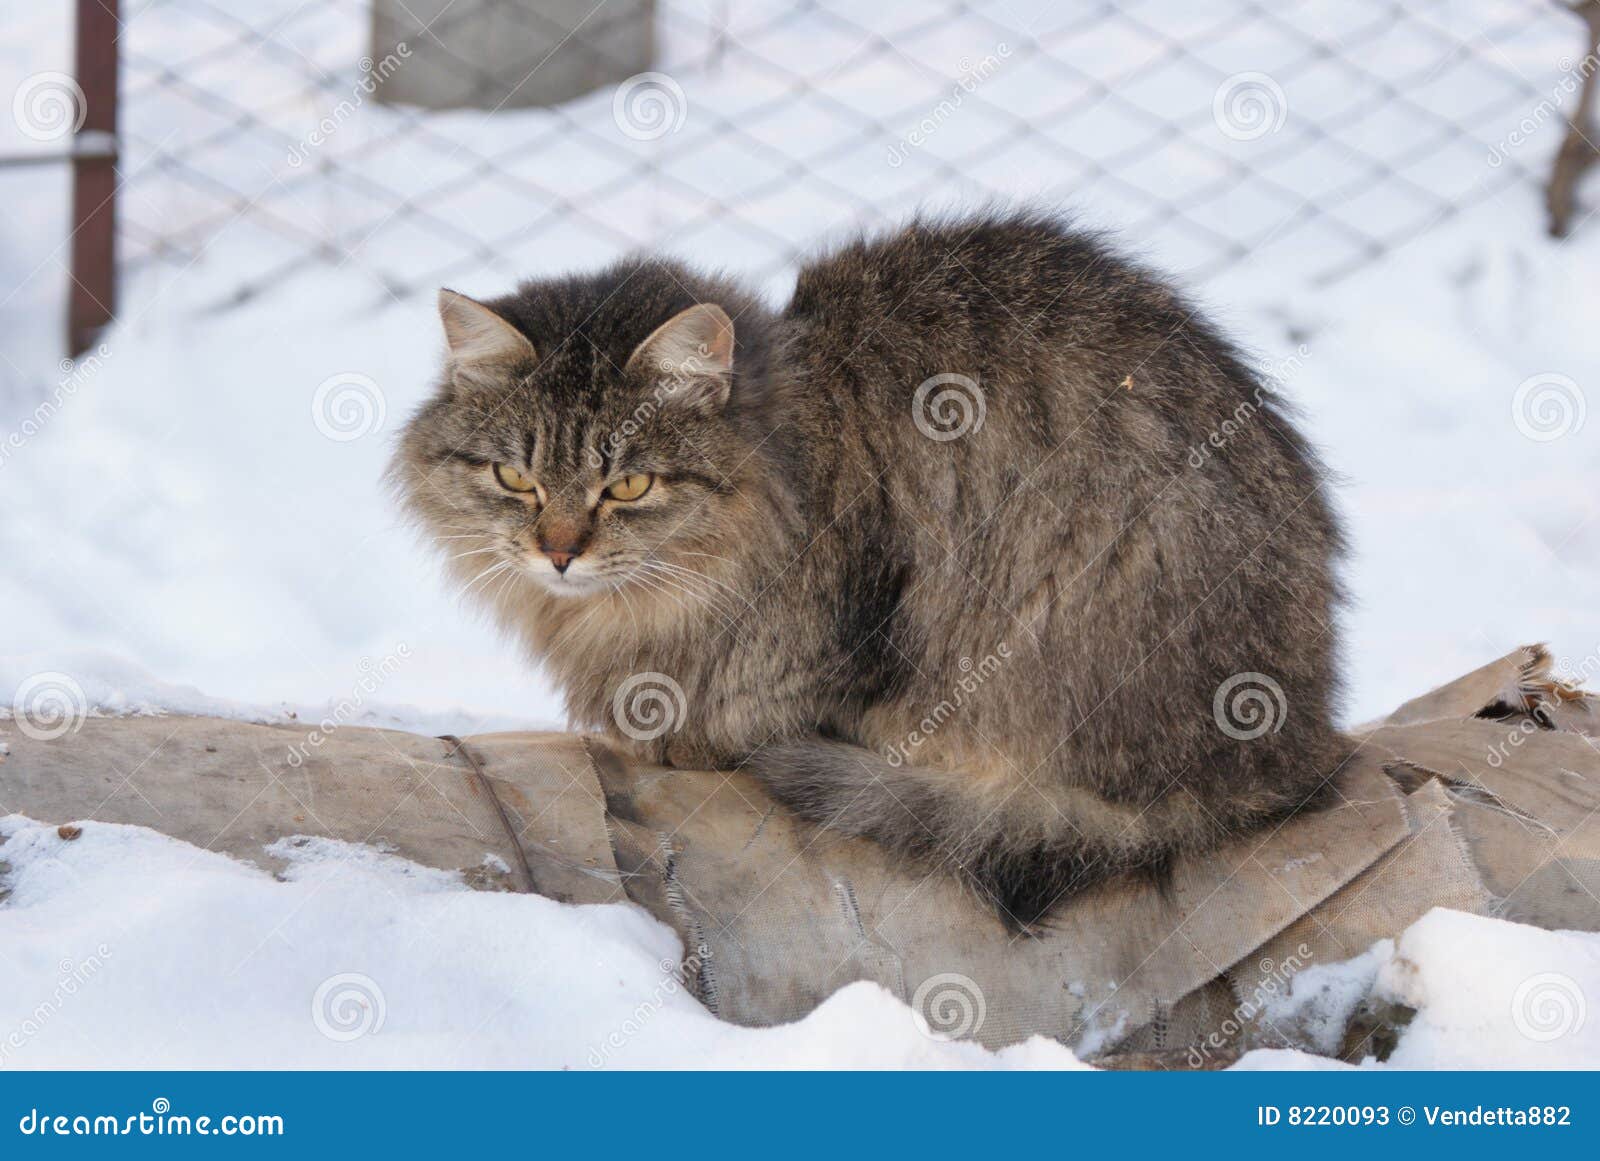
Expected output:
(998, 841)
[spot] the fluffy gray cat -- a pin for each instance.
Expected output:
(985, 547)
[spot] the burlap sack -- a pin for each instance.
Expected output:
(1438, 807)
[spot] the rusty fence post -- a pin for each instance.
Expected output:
(92, 296)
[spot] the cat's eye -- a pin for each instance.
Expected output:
(513, 479)
(630, 487)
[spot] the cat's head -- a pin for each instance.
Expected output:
(588, 435)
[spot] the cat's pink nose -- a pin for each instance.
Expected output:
(560, 559)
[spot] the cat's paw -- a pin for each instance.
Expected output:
(688, 754)
(648, 752)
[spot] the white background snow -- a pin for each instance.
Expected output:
(181, 533)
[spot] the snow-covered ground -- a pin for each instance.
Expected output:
(193, 521)
(362, 960)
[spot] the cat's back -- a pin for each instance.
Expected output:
(1018, 276)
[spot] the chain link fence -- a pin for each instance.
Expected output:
(262, 143)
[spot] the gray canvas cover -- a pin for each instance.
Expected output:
(1439, 807)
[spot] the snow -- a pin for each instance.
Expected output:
(356, 958)
(1491, 994)
(1487, 994)
(194, 523)
(1321, 998)
(362, 960)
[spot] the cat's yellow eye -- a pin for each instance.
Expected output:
(513, 479)
(630, 487)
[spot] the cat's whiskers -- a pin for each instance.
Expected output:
(703, 589)
(506, 585)
(628, 604)
(696, 574)
(487, 574)
(707, 555)
(663, 580)
(655, 586)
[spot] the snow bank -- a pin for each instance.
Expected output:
(1491, 994)
(1487, 994)
(127, 949)
(360, 959)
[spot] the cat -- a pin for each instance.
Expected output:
(927, 552)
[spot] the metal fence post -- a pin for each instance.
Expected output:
(92, 297)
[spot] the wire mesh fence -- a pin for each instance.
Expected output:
(262, 143)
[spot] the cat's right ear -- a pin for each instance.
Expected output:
(693, 351)
(484, 348)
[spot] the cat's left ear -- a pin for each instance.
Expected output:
(693, 352)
